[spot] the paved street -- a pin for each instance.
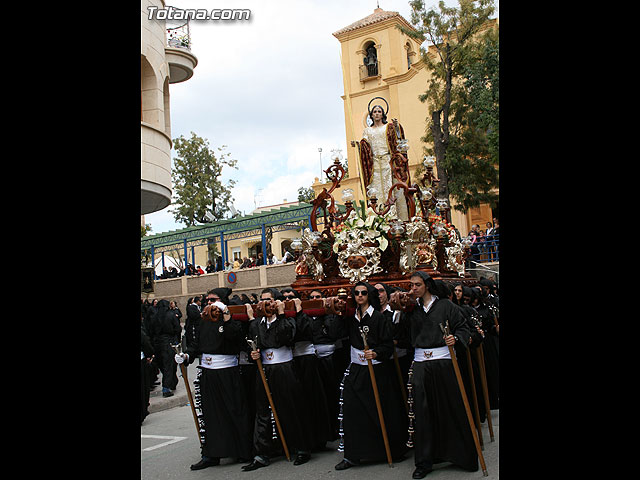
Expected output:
(169, 445)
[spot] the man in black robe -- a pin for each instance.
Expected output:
(146, 354)
(219, 396)
(442, 431)
(274, 333)
(401, 339)
(326, 330)
(165, 331)
(490, 345)
(316, 412)
(476, 338)
(362, 432)
(194, 310)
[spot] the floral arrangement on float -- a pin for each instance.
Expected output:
(369, 239)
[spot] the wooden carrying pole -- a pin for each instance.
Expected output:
(273, 407)
(185, 377)
(378, 404)
(467, 409)
(485, 389)
(474, 396)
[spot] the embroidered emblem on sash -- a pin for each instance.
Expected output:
(428, 354)
(269, 355)
(208, 360)
(361, 357)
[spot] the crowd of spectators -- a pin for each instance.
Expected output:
(485, 243)
(238, 264)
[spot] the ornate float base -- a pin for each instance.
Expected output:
(305, 284)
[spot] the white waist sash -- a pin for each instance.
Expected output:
(303, 348)
(325, 349)
(276, 355)
(438, 353)
(215, 361)
(357, 356)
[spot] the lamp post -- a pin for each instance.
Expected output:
(320, 152)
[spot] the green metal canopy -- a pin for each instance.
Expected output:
(276, 216)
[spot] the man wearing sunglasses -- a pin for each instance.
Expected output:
(224, 421)
(362, 433)
(274, 333)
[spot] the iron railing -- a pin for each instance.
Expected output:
(486, 249)
(369, 71)
(178, 34)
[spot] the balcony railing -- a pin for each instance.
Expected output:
(178, 34)
(486, 249)
(369, 71)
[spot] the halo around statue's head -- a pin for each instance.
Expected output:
(369, 106)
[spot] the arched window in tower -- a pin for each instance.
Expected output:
(409, 54)
(370, 60)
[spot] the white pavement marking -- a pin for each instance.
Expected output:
(162, 437)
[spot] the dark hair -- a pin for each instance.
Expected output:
(428, 281)
(387, 288)
(372, 294)
(289, 290)
(443, 290)
(384, 115)
(274, 293)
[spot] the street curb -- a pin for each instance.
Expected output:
(162, 403)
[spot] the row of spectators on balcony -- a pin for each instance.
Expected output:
(485, 242)
(246, 262)
(249, 262)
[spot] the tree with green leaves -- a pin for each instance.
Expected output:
(455, 129)
(198, 187)
(306, 195)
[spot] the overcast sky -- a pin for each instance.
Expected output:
(269, 89)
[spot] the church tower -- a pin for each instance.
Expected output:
(378, 60)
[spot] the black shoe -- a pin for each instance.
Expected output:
(167, 394)
(302, 458)
(204, 463)
(344, 464)
(254, 465)
(421, 472)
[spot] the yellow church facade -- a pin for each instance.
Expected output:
(378, 60)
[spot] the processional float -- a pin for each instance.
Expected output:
(367, 243)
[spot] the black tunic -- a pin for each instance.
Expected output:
(326, 329)
(401, 336)
(164, 331)
(490, 349)
(363, 438)
(286, 392)
(314, 409)
(470, 352)
(442, 431)
(190, 325)
(223, 403)
(145, 375)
